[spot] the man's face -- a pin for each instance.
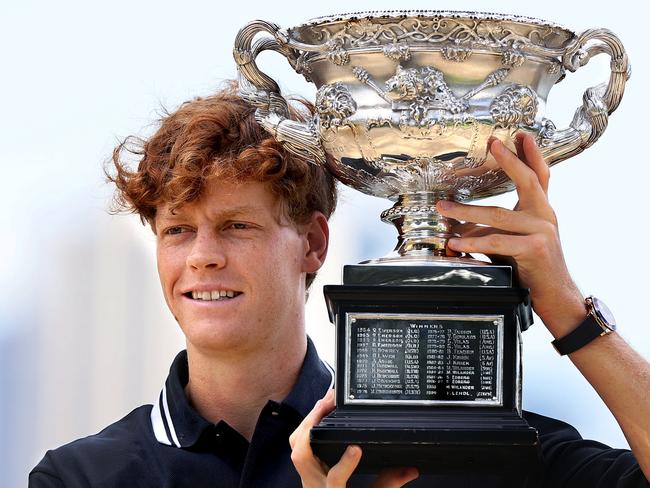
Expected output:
(232, 271)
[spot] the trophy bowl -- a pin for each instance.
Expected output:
(408, 101)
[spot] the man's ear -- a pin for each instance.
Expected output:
(316, 234)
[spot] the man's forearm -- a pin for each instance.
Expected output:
(616, 371)
(622, 379)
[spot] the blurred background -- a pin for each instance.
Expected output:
(85, 335)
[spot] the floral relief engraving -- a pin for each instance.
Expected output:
(334, 104)
(514, 59)
(515, 106)
(456, 52)
(398, 52)
(337, 54)
(302, 66)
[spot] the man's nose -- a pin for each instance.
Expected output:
(206, 252)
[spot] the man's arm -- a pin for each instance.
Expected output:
(528, 236)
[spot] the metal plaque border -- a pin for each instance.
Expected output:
(498, 402)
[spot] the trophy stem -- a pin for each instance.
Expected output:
(422, 230)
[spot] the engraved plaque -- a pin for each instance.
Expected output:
(424, 359)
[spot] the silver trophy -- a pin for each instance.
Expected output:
(406, 104)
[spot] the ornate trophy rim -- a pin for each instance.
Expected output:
(454, 14)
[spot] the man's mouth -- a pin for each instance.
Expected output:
(212, 295)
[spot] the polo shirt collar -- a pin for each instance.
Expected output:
(315, 379)
(176, 423)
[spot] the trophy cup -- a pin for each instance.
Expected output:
(428, 347)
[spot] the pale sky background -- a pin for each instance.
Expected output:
(84, 333)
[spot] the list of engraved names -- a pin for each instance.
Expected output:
(431, 358)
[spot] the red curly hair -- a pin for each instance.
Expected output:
(215, 136)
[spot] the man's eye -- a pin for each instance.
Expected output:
(239, 226)
(175, 230)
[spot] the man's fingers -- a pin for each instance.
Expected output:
(322, 408)
(497, 217)
(311, 471)
(529, 187)
(308, 466)
(519, 146)
(340, 473)
(470, 229)
(307, 423)
(501, 244)
(467, 229)
(533, 157)
(478, 231)
(303, 458)
(395, 477)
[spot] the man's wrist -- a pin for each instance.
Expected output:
(599, 322)
(566, 316)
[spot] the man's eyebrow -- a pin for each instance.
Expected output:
(179, 214)
(241, 209)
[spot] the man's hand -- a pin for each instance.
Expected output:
(316, 474)
(527, 236)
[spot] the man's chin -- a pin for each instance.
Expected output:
(221, 337)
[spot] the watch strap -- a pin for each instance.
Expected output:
(586, 332)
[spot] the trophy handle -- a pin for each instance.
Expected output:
(261, 91)
(598, 102)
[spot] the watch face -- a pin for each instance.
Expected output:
(604, 313)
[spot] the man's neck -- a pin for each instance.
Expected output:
(235, 388)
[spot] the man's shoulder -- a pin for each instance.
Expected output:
(125, 433)
(570, 460)
(557, 435)
(549, 424)
(124, 440)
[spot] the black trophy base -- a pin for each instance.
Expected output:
(450, 444)
(429, 377)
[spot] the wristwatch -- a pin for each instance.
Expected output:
(599, 322)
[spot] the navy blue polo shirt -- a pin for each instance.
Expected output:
(170, 444)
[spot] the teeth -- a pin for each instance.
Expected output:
(212, 295)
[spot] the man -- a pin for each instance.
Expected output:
(241, 228)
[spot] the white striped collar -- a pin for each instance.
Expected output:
(163, 427)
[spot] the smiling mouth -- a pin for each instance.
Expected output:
(214, 295)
